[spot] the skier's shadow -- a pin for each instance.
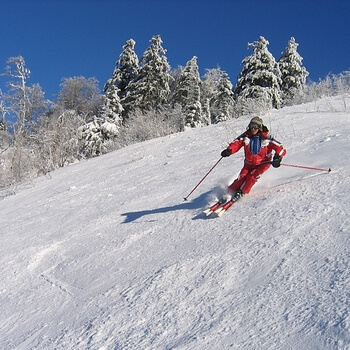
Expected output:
(196, 203)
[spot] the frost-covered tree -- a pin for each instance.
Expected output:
(112, 108)
(24, 104)
(147, 125)
(4, 136)
(293, 74)
(187, 94)
(2, 125)
(260, 78)
(208, 86)
(79, 102)
(99, 133)
(342, 82)
(151, 87)
(58, 138)
(222, 101)
(81, 95)
(95, 136)
(210, 81)
(126, 69)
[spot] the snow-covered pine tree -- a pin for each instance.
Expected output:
(222, 101)
(260, 77)
(97, 134)
(112, 108)
(151, 87)
(187, 94)
(92, 138)
(293, 74)
(126, 69)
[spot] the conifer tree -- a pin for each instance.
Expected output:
(188, 95)
(150, 89)
(126, 69)
(293, 74)
(97, 134)
(112, 108)
(222, 101)
(91, 137)
(260, 77)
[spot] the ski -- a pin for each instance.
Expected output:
(221, 210)
(220, 207)
(214, 207)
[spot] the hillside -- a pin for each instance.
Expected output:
(107, 255)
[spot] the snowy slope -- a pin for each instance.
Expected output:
(107, 255)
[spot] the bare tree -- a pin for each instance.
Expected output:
(23, 104)
(81, 95)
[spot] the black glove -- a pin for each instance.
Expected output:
(276, 162)
(226, 153)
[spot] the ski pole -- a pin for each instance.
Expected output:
(306, 167)
(299, 166)
(185, 199)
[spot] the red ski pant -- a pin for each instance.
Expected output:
(248, 176)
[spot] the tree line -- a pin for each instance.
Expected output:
(144, 98)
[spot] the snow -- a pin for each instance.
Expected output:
(107, 255)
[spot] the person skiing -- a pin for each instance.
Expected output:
(261, 151)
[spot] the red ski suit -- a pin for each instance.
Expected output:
(258, 149)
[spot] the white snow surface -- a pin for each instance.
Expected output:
(107, 255)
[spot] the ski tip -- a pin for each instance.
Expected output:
(329, 170)
(207, 212)
(220, 213)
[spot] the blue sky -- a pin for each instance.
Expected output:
(65, 38)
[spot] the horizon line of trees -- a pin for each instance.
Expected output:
(143, 99)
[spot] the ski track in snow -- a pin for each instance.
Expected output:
(107, 255)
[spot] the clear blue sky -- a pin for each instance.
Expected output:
(65, 38)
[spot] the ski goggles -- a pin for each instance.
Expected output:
(254, 126)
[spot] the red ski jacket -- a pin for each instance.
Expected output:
(258, 148)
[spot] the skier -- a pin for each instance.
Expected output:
(260, 150)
